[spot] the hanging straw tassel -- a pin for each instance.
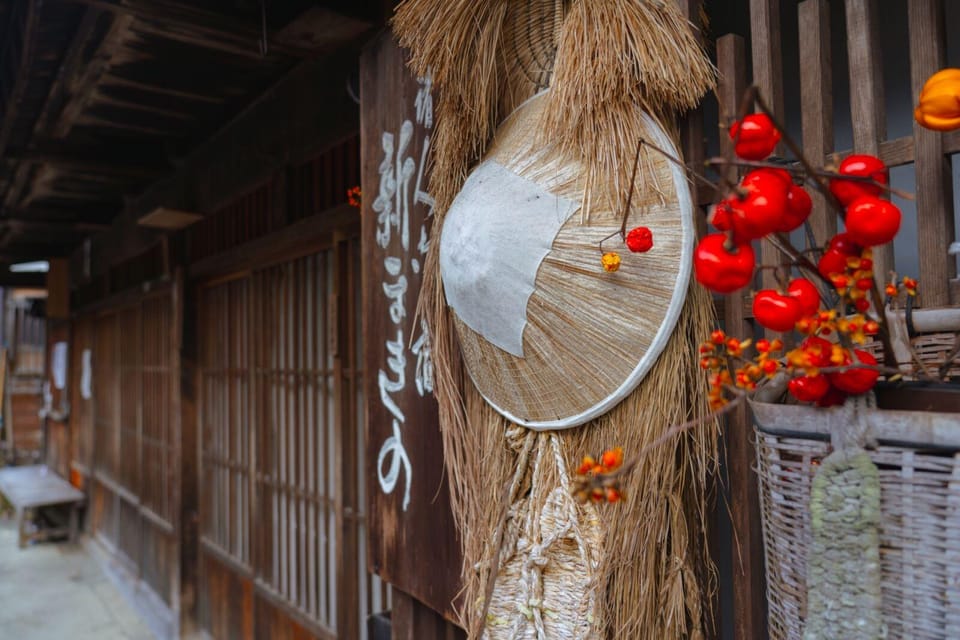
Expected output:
(457, 43)
(613, 56)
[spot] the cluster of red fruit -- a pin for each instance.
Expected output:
(717, 355)
(611, 460)
(767, 201)
(830, 388)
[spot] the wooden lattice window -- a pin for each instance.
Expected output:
(282, 437)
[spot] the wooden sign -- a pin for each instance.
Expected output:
(412, 541)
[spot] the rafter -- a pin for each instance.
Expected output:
(195, 25)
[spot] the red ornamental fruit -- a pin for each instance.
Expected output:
(721, 270)
(640, 240)
(755, 136)
(803, 291)
(776, 312)
(798, 208)
(844, 243)
(872, 221)
(809, 389)
(720, 216)
(856, 380)
(862, 165)
(832, 262)
(818, 350)
(760, 210)
(834, 397)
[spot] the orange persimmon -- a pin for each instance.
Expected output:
(939, 107)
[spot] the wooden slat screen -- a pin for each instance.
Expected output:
(321, 183)
(225, 416)
(280, 420)
(250, 216)
(136, 451)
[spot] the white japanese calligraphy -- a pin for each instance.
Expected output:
(393, 206)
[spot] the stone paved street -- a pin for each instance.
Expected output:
(56, 590)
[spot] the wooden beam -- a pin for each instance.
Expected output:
(111, 79)
(190, 24)
(92, 215)
(81, 80)
(29, 225)
(12, 108)
(72, 60)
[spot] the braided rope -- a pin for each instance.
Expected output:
(843, 577)
(546, 585)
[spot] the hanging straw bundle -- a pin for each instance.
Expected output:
(644, 562)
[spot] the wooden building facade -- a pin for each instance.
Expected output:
(244, 400)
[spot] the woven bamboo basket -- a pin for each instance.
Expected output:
(918, 457)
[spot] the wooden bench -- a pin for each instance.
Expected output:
(32, 487)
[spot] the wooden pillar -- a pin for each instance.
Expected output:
(184, 366)
(816, 103)
(768, 76)
(866, 98)
(934, 178)
(749, 588)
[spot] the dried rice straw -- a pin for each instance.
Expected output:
(654, 573)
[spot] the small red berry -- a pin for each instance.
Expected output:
(776, 312)
(640, 240)
(804, 292)
(809, 388)
(721, 270)
(872, 221)
(861, 165)
(755, 136)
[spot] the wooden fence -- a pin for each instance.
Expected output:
(806, 58)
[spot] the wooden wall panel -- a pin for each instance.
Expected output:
(408, 497)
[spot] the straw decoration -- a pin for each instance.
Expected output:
(612, 56)
(648, 564)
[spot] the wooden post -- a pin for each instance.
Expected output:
(866, 98)
(58, 289)
(186, 443)
(768, 76)
(934, 178)
(816, 103)
(749, 589)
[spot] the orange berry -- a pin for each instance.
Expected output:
(610, 261)
(763, 345)
(586, 465)
(612, 458)
(718, 336)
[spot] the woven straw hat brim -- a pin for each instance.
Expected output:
(590, 336)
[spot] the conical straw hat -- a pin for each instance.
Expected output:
(549, 338)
